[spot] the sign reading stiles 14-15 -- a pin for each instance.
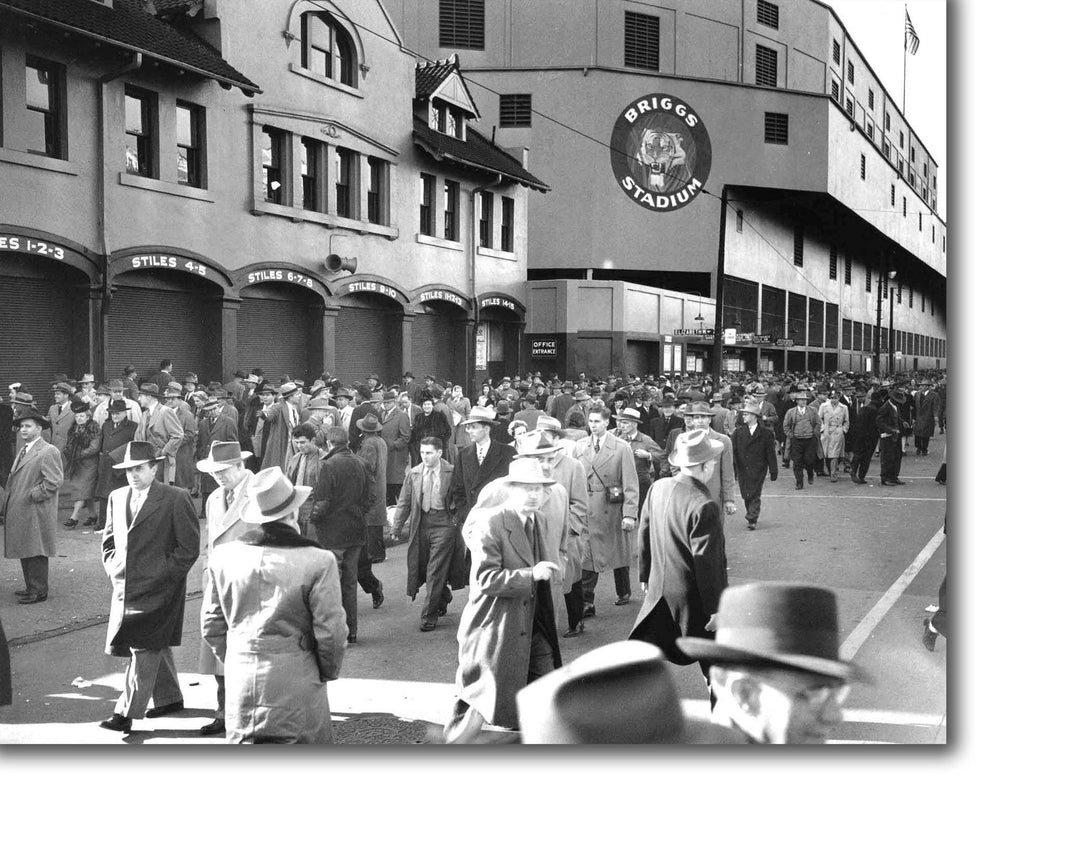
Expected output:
(660, 152)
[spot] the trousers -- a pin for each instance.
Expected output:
(435, 539)
(151, 674)
(36, 574)
(589, 580)
(803, 456)
(354, 567)
(575, 603)
(860, 463)
(890, 458)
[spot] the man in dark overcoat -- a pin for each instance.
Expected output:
(754, 456)
(888, 427)
(30, 504)
(864, 438)
(479, 463)
(927, 410)
(150, 541)
(682, 566)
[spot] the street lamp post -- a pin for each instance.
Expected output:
(891, 274)
(892, 337)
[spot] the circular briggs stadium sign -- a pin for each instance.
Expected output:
(660, 152)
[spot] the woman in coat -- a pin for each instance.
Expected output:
(834, 425)
(430, 422)
(371, 449)
(81, 462)
(117, 431)
(275, 598)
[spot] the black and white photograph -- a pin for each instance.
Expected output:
(442, 372)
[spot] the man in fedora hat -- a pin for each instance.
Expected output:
(425, 504)
(802, 427)
(161, 428)
(224, 463)
(479, 463)
(755, 456)
(888, 427)
(644, 448)
(116, 393)
(150, 541)
(396, 432)
(619, 693)
(214, 426)
(60, 416)
(116, 432)
(774, 663)
(371, 449)
(343, 496)
(184, 475)
(279, 419)
(507, 636)
(927, 409)
(683, 568)
(31, 502)
(273, 617)
(698, 415)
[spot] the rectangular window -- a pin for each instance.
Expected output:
(901, 140)
(797, 254)
(869, 278)
(765, 64)
(427, 204)
(862, 165)
(816, 323)
(886, 147)
(190, 141)
(850, 72)
(378, 194)
(451, 192)
(768, 14)
(904, 199)
(850, 106)
(641, 41)
(772, 311)
(933, 232)
(832, 325)
(311, 167)
(797, 318)
(920, 222)
(776, 128)
(836, 51)
(870, 98)
(892, 195)
(847, 270)
(922, 301)
(345, 182)
(888, 122)
(515, 110)
(943, 243)
(140, 131)
(835, 92)
(272, 143)
(506, 241)
(461, 24)
(856, 336)
(738, 220)
(45, 107)
(845, 337)
(487, 209)
(832, 262)
(899, 293)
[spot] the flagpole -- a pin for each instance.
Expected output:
(903, 103)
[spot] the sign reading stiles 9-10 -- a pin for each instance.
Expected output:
(660, 152)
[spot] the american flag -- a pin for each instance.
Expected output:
(911, 38)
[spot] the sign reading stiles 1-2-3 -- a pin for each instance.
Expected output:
(26, 245)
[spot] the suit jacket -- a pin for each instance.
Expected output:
(504, 606)
(62, 420)
(681, 544)
(470, 476)
(661, 428)
(888, 420)
(31, 502)
(148, 563)
(163, 430)
(754, 456)
(408, 509)
(790, 417)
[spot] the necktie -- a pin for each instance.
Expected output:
(22, 453)
(596, 445)
(425, 499)
(229, 496)
(479, 455)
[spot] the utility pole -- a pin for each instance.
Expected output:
(877, 330)
(892, 337)
(718, 328)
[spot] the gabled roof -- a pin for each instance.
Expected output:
(443, 79)
(474, 152)
(128, 25)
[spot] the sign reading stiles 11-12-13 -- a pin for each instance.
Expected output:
(660, 152)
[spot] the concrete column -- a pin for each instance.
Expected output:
(328, 356)
(406, 345)
(229, 310)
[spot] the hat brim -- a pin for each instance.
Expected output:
(529, 481)
(210, 466)
(699, 648)
(488, 422)
(253, 515)
(376, 429)
(131, 464)
(36, 416)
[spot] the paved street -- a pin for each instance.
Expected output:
(882, 551)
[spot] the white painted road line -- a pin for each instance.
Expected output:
(830, 496)
(872, 619)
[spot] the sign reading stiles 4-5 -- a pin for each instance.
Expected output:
(660, 152)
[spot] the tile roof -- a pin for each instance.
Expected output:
(129, 25)
(431, 75)
(475, 152)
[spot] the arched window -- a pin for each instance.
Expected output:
(327, 48)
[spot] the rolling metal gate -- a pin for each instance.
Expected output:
(36, 329)
(438, 347)
(275, 335)
(367, 339)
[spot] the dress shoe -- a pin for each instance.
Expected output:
(576, 631)
(587, 611)
(929, 638)
(621, 600)
(34, 598)
(860, 480)
(71, 523)
(898, 482)
(165, 710)
(798, 486)
(427, 626)
(351, 638)
(215, 727)
(377, 597)
(888, 483)
(751, 526)
(116, 722)
(23, 593)
(90, 523)
(809, 480)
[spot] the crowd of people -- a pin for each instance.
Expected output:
(523, 498)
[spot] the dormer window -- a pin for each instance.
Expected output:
(327, 48)
(446, 119)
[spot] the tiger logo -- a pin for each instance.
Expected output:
(661, 155)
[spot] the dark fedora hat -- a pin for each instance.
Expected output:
(118, 406)
(370, 423)
(221, 456)
(137, 453)
(22, 413)
(150, 389)
(791, 625)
